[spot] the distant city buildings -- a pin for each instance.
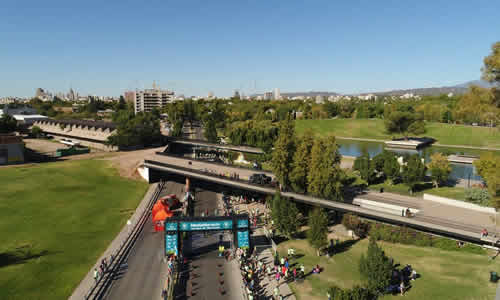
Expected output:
(277, 95)
(72, 96)
(268, 95)
(43, 95)
(236, 94)
(319, 99)
(39, 92)
(129, 96)
(367, 97)
(148, 99)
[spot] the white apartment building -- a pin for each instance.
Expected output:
(268, 95)
(146, 100)
(276, 94)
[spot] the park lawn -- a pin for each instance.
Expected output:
(445, 134)
(56, 219)
(399, 188)
(456, 193)
(444, 274)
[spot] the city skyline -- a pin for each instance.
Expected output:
(99, 48)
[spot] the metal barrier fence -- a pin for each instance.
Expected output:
(100, 287)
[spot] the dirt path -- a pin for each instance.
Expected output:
(127, 162)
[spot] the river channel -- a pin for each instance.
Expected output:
(458, 170)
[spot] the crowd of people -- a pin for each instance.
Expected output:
(252, 272)
(234, 176)
(400, 280)
(103, 268)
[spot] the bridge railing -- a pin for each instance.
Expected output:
(211, 172)
(215, 162)
(99, 288)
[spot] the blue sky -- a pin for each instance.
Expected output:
(193, 47)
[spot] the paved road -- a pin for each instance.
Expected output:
(203, 165)
(208, 276)
(145, 275)
(439, 217)
(438, 213)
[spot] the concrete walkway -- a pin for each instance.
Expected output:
(269, 283)
(266, 255)
(88, 281)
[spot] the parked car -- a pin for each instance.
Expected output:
(260, 179)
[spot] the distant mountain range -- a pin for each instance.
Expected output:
(481, 83)
(433, 91)
(310, 94)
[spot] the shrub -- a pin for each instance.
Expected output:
(404, 235)
(355, 293)
(355, 224)
(477, 196)
(417, 127)
(36, 131)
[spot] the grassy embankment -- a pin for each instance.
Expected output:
(445, 134)
(457, 193)
(55, 221)
(444, 274)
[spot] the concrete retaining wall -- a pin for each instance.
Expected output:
(144, 172)
(458, 203)
(383, 207)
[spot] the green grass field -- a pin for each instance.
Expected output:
(444, 274)
(445, 134)
(457, 193)
(55, 221)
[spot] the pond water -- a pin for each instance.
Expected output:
(458, 171)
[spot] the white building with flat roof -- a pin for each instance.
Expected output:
(28, 119)
(148, 99)
(277, 95)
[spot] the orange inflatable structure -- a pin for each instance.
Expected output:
(163, 210)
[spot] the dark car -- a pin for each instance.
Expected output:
(260, 179)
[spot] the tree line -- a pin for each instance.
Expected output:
(308, 163)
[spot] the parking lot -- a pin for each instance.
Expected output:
(43, 145)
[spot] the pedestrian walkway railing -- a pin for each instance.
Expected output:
(116, 265)
(211, 172)
(216, 163)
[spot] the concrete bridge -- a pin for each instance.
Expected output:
(444, 220)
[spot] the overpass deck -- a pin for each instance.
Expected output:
(201, 143)
(440, 219)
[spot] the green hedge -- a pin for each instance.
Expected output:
(404, 235)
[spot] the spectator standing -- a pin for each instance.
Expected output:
(96, 275)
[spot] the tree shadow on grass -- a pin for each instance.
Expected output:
(278, 239)
(419, 187)
(342, 247)
(20, 255)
